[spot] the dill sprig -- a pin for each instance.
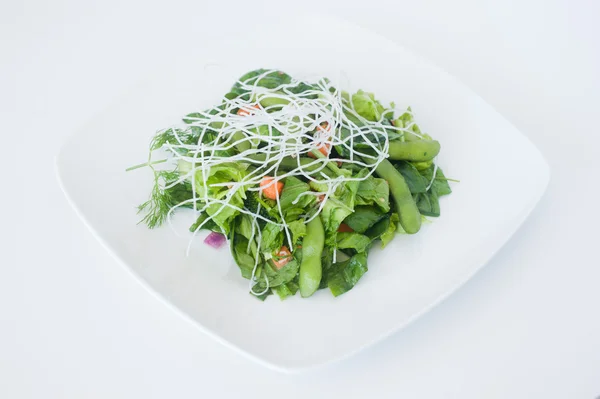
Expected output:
(163, 199)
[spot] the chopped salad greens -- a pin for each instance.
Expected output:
(301, 179)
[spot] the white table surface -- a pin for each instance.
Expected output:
(73, 324)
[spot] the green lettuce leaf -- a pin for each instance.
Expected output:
(297, 229)
(355, 241)
(223, 173)
(343, 276)
(366, 106)
(428, 203)
(271, 238)
(440, 184)
(276, 277)
(417, 183)
(326, 263)
(209, 225)
(238, 241)
(292, 214)
(286, 290)
(379, 228)
(292, 189)
(390, 232)
(374, 191)
(222, 215)
(363, 218)
(337, 207)
(243, 226)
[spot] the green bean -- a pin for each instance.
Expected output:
(410, 217)
(273, 102)
(418, 150)
(312, 249)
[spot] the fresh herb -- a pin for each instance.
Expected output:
(166, 193)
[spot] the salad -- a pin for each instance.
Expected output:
(300, 178)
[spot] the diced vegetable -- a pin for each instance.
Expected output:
(248, 110)
(215, 240)
(270, 188)
(282, 257)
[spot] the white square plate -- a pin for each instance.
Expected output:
(502, 178)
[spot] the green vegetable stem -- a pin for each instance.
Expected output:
(312, 248)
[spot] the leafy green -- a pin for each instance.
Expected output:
(217, 178)
(390, 232)
(222, 215)
(208, 224)
(303, 87)
(440, 184)
(428, 203)
(272, 237)
(343, 276)
(355, 241)
(294, 213)
(337, 207)
(292, 189)
(243, 259)
(297, 254)
(283, 275)
(333, 213)
(276, 277)
(286, 290)
(363, 218)
(374, 191)
(238, 243)
(222, 174)
(298, 230)
(379, 228)
(243, 226)
(244, 253)
(366, 106)
(326, 264)
(417, 183)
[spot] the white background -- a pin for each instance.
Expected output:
(73, 324)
